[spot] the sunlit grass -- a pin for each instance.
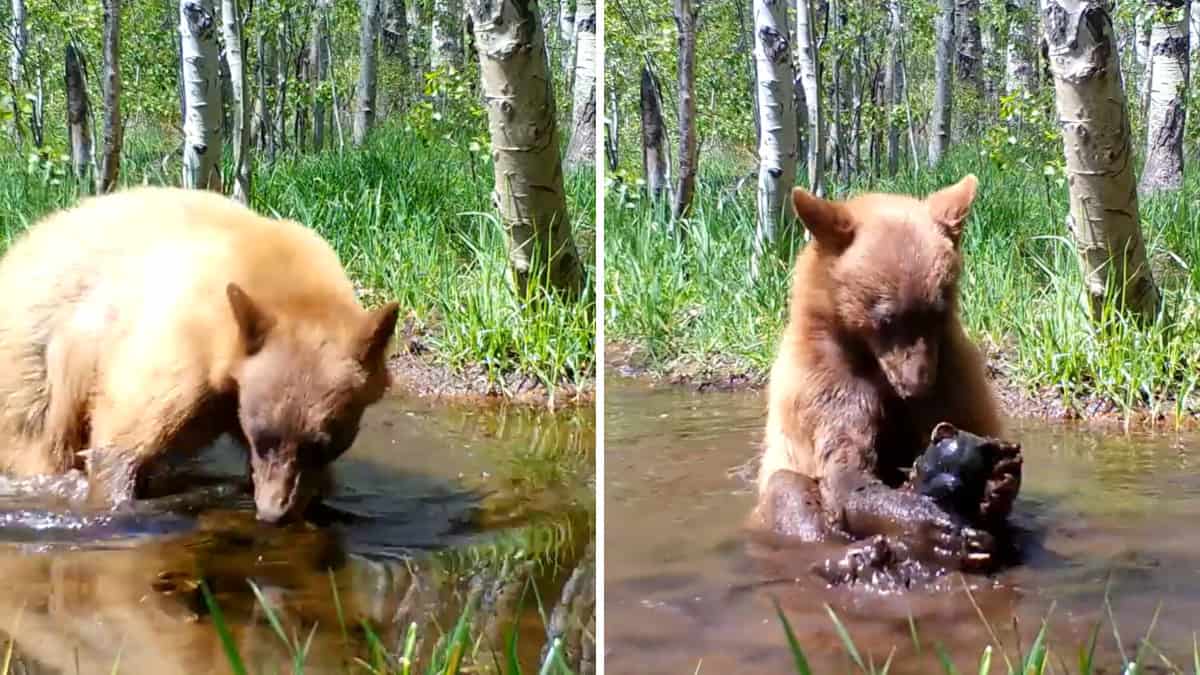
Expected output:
(688, 302)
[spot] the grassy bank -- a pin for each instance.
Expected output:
(687, 308)
(410, 216)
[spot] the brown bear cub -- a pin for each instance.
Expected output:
(872, 359)
(158, 319)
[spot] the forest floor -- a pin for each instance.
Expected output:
(683, 310)
(410, 216)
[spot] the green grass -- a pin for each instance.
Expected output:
(689, 303)
(410, 215)
(1011, 659)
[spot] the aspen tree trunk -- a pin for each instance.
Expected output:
(110, 84)
(566, 33)
(414, 10)
(201, 95)
(1142, 27)
(686, 13)
(807, 51)
(1166, 116)
(18, 43)
(777, 137)
(368, 51)
(612, 129)
(519, 96)
(394, 42)
(262, 108)
(1092, 114)
(1019, 73)
(279, 125)
(581, 148)
(893, 86)
(445, 34)
(318, 69)
(969, 38)
(654, 137)
(943, 98)
(231, 30)
(78, 118)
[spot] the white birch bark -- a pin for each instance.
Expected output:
(201, 95)
(1166, 115)
(943, 101)
(18, 42)
(1019, 73)
(581, 149)
(110, 82)
(777, 138)
(893, 91)
(806, 49)
(686, 15)
(445, 34)
(566, 33)
(231, 30)
(318, 69)
(78, 118)
(1094, 119)
(519, 97)
(368, 68)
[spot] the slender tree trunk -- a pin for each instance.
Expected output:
(969, 45)
(231, 23)
(1142, 27)
(417, 21)
(1019, 73)
(318, 72)
(612, 129)
(279, 125)
(686, 13)
(807, 52)
(368, 51)
(201, 95)
(394, 41)
(519, 97)
(1094, 120)
(566, 33)
(262, 116)
(445, 34)
(893, 86)
(581, 149)
(654, 137)
(943, 98)
(777, 128)
(110, 81)
(78, 118)
(18, 44)
(1166, 117)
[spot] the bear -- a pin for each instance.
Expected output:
(872, 358)
(154, 320)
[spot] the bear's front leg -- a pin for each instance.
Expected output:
(914, 525)
(791, 506)
(112, 476)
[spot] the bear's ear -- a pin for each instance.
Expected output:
(949, 206)
(825, 219)
(253, 322)
(376, 332)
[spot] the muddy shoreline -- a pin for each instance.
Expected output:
(416, 371)
(1017, 400)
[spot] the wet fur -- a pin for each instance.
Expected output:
(835, 417)
(118, 334)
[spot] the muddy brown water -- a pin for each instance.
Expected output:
(687, 591)
(446, 503)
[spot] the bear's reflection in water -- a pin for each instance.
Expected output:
(399, 545)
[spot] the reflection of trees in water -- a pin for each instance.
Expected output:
(143, 605)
